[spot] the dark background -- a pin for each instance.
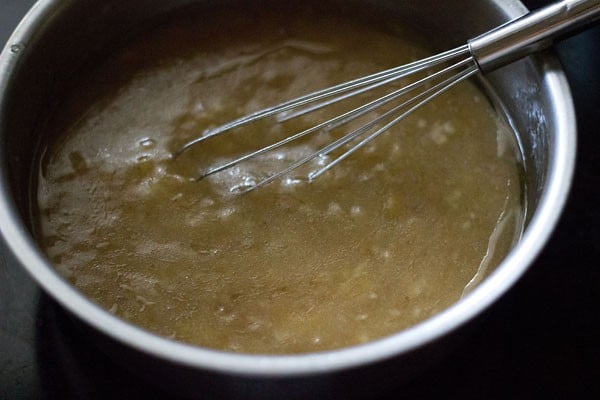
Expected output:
(540, 341)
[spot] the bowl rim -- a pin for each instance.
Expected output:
(540, 227)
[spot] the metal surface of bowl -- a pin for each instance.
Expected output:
(60, 38)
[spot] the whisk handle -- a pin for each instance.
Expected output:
(532, 32)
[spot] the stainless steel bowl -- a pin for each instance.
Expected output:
(58, 39)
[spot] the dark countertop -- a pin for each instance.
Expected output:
(541, 341)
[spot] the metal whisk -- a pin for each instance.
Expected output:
(522, 36)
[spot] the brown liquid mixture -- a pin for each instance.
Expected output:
(383, 241)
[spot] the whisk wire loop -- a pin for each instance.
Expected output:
(382, 77)
(424, 97)
(340, 120)
(428, 94)
(419, 99)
